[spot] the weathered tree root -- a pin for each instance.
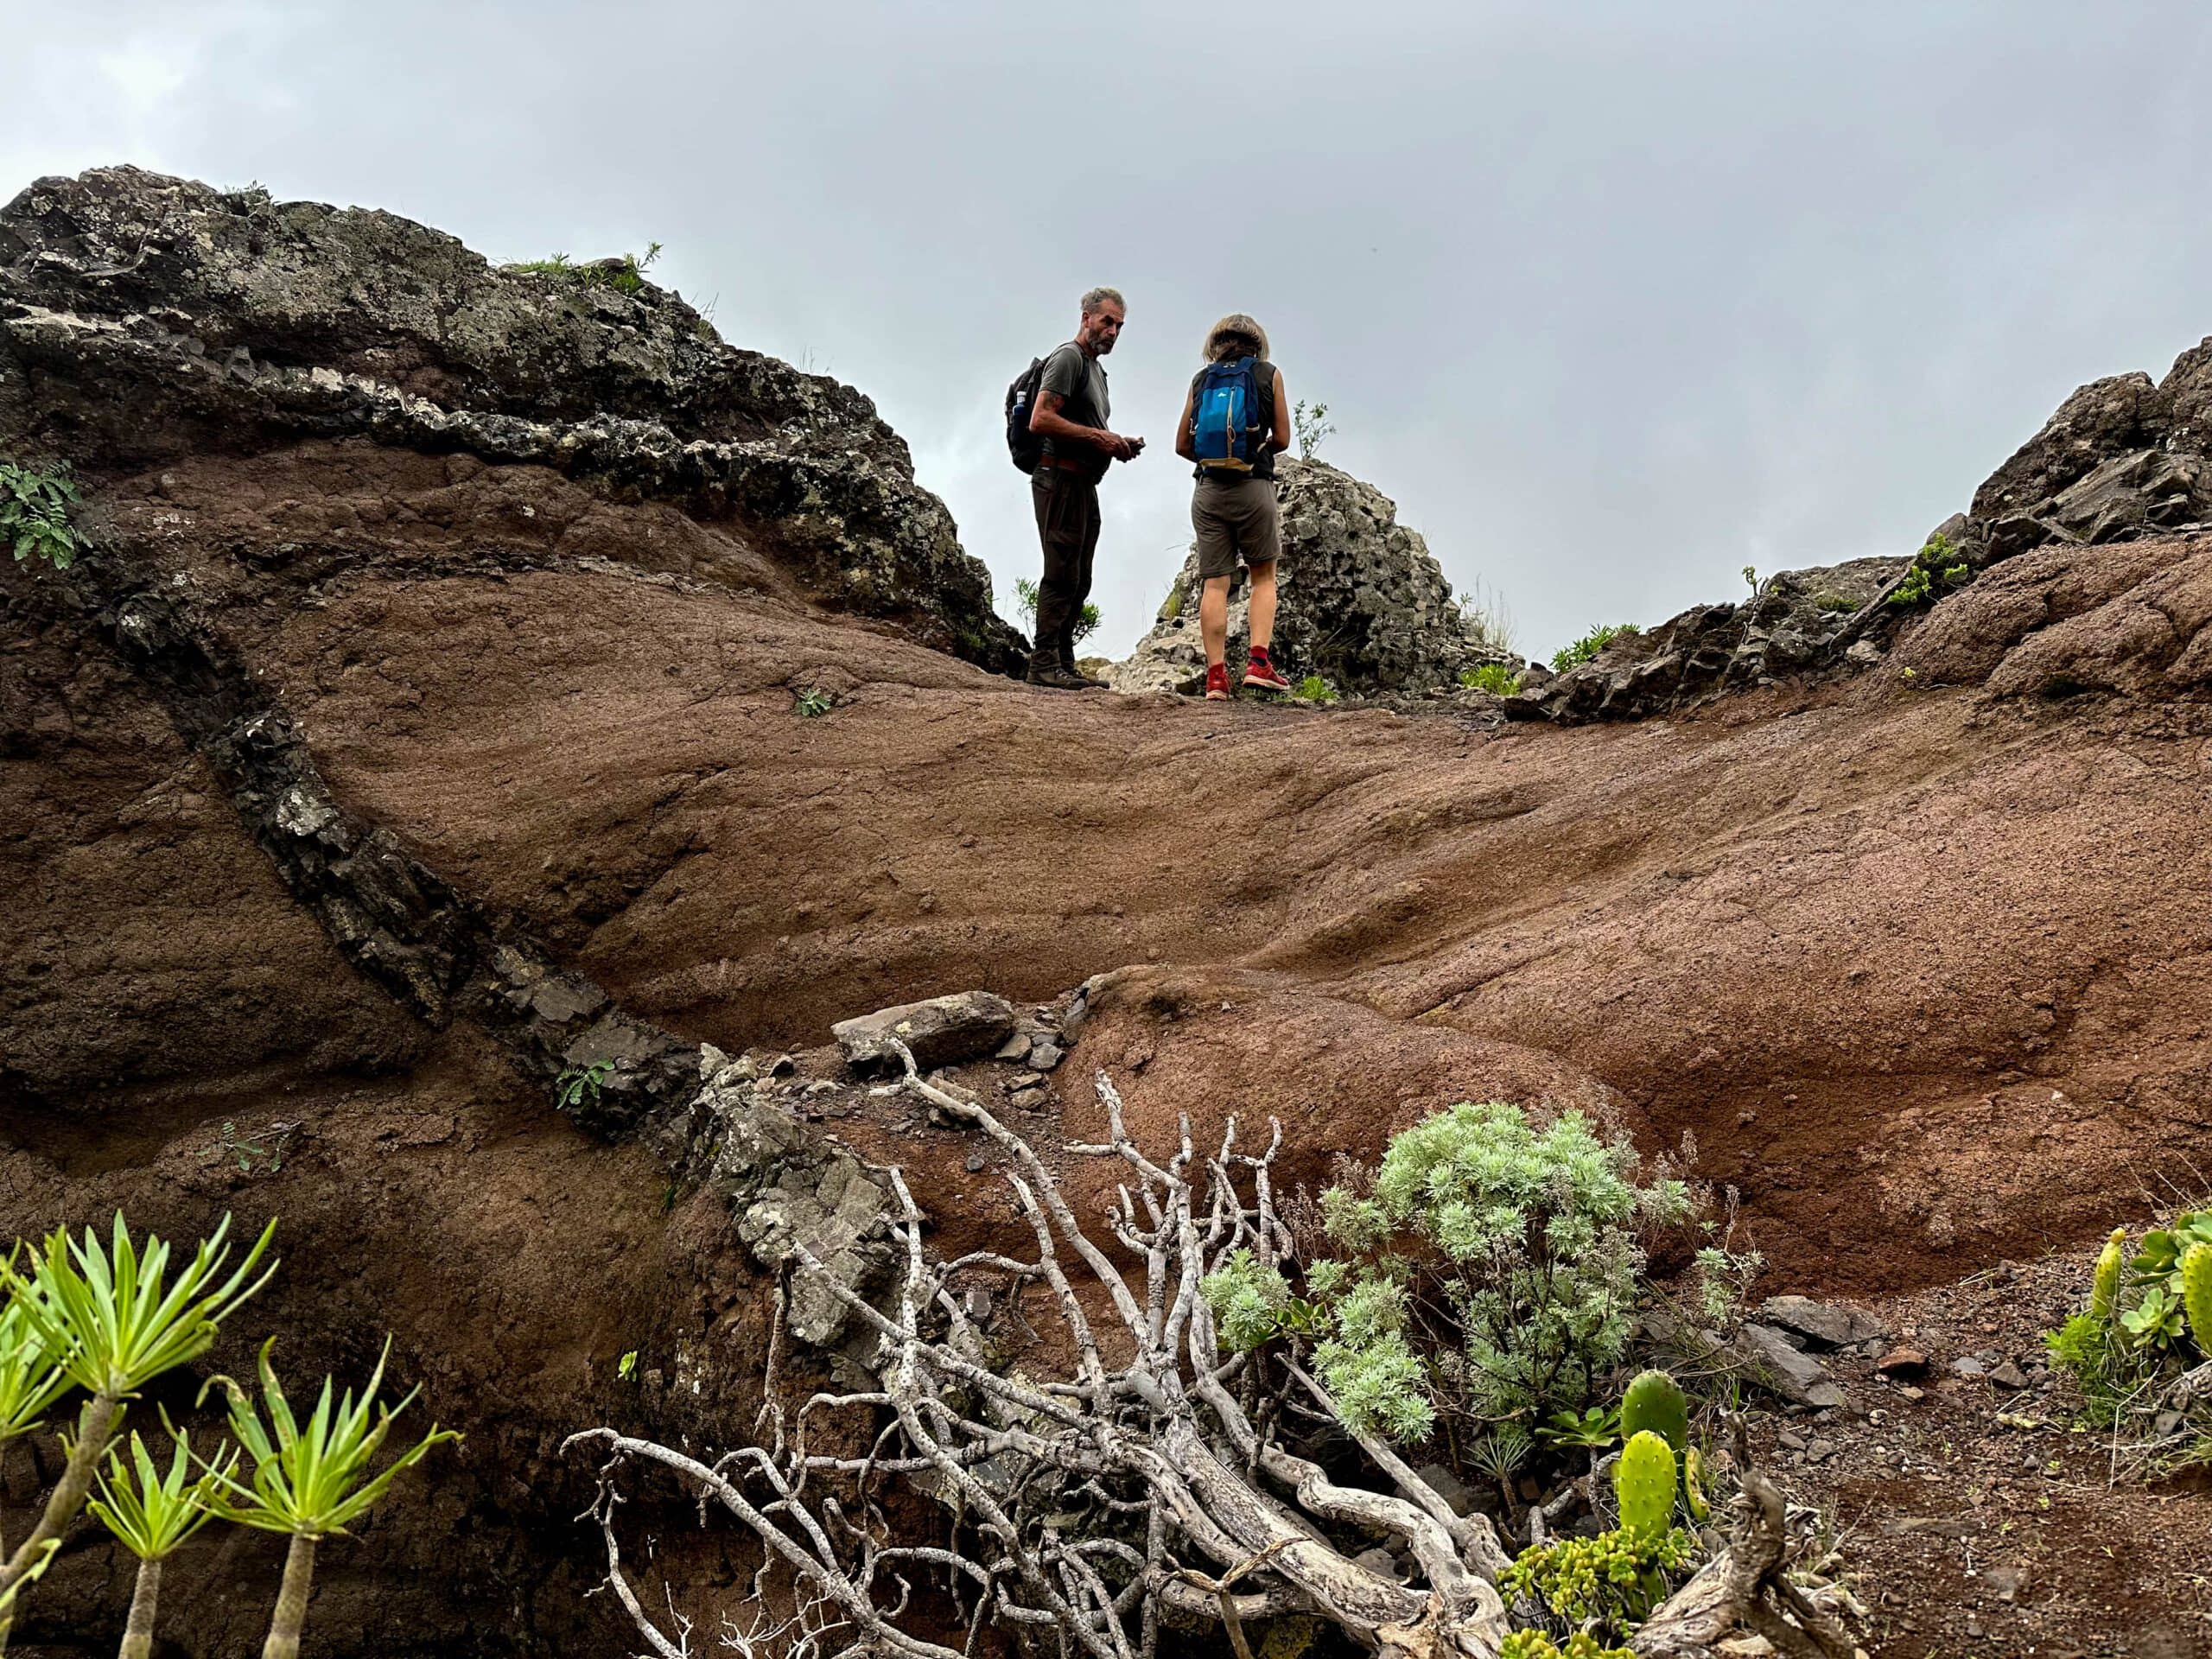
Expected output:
(1146, 1486)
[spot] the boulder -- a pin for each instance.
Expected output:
(144, 319)
(942, 1031)
(1363, 602)
(1827, 1325)
(1777, 1364)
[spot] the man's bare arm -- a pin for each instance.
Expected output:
(1186, 441)
(1046, 421)
(1279, 440)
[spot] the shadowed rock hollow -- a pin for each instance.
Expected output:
(520, 582)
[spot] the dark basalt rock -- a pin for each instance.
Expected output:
(145, 318)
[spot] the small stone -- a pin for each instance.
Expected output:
(1827, 1325)
(1447, 1486)
(1914, 1395)
(1902, 1362)
(976, 1163)
(2009, 1375)
(1820, 1451)
(1775, 1362)
(976, 1304)
(1379, 1561)
(1968, 1366)
(782, 1066)
(1015, 1048)
(1791, 1438)
(1044, 1056)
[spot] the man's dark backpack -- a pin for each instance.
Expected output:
(1026, 447)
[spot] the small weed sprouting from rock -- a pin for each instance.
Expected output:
(1314, 688)
(263, 1154)
(1937, 568)
(625, 273)
(1311, 423)
(578, 1087)
(812, 703)
(1488, 623)
(1025, 599)
(1494, 677)
(1834, 602)
(34, 508)
(1591, 644)
(626, 1367)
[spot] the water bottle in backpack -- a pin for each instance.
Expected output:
(1027, 449)
(1225, 416)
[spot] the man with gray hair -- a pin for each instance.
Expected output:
(1070, 417)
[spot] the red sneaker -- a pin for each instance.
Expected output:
(1217, 683)
(1262, 672)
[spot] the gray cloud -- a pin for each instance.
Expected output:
(1612, 299)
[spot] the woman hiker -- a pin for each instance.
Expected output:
(1236, 421)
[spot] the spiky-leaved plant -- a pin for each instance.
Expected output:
(309, 1479)
(31, 1380)
(115, 1317)
(150, 1514)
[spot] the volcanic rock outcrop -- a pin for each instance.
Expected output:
(142, 318)
(1363, 602)
(2122, 459)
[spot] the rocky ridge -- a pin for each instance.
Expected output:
(1363, 602)
(145, 318)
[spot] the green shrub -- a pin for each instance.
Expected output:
(1493, 678)
(1937, 568)
(34, 508)
(1314, 688)
(1025, 599)
(2132, 1344)
(1526, 1239)
(625, 273)
(1591, 644)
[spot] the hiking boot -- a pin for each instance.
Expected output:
(1058, 679)
(1068, 666)
(1261, 673)
(1217, 683)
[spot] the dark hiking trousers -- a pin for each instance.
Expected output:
(1067, 525)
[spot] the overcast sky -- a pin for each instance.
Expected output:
(1613, 300)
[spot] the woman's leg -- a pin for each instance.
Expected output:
(1263, 606)
(1213, 616)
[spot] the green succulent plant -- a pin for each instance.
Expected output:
(310, 1479)
(2196, 1294)
(2104, 1284)
(150, 1513)
(1655, 1401)
(114, 1318)
(1644, 1482)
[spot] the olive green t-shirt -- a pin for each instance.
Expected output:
(1080, 380)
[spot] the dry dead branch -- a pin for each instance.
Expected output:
(1142, 1486)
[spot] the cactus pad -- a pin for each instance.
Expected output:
(1644, 1481)
(2196, 1294)
(1655, 1401)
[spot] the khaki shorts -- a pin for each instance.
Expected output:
(1236, 521)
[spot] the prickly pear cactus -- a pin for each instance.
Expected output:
(1655, 1401)
(2104, 1288)
(2196, 1294)
(1644, 1481)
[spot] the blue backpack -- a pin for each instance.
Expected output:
(1225, 416)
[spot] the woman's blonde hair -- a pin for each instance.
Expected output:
(1234, 331)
